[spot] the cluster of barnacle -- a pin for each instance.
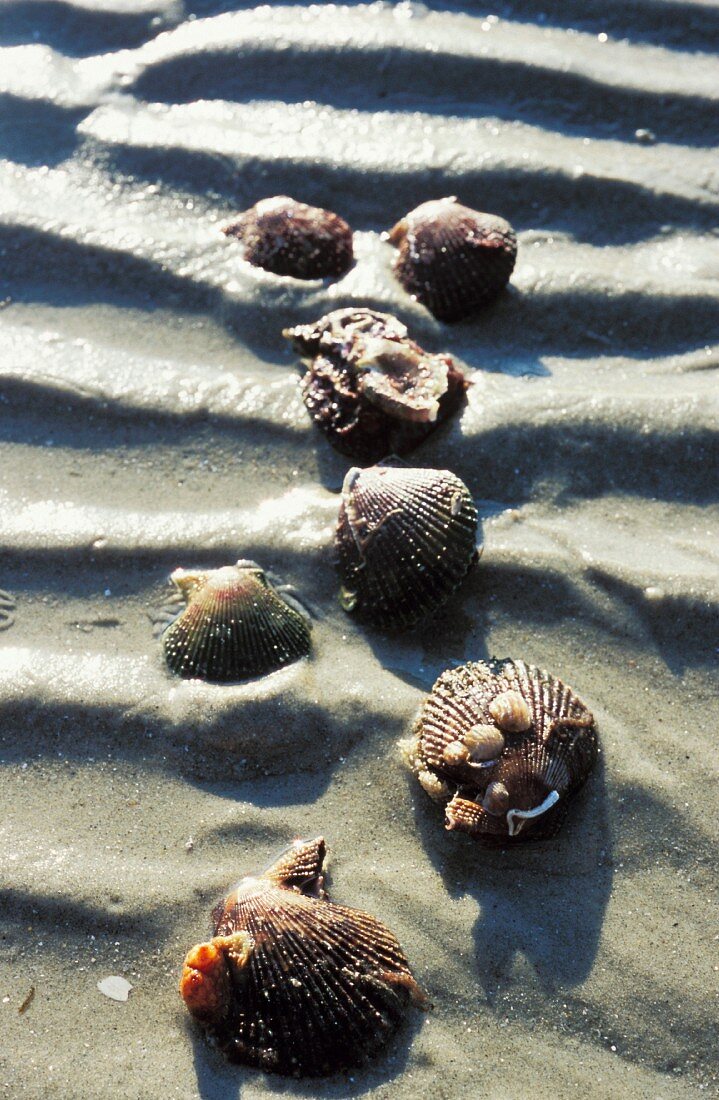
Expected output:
(290, 981)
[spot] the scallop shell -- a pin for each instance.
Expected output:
(7, 610)
(293, 983)
(369, 387)
(451, 258)
(405, 538)
(234, 626)
(291, 238)
(523, 793)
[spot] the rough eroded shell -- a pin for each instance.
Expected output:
(451, 258)
(291, 238)
(371, 389)
(405, 539)
(291, 982)
(234, 626)
(521, 789)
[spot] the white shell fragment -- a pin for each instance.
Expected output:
(115, 987)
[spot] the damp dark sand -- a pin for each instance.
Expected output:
(149, 418)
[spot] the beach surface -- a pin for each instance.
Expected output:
(150, 418)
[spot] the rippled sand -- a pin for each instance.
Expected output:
(150, 418)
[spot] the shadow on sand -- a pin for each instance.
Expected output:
(545, 901)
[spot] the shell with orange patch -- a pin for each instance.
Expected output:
(293, 983)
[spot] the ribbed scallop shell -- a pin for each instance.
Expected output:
(371, 389)
(405, 539)
(7, 610)
(234, 626)
(556, 754)
(291, 238)
(451, 258)
(293, 983)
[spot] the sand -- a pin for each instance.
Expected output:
(150, 418)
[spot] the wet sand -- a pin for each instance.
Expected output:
(150, 418)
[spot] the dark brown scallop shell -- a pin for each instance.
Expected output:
(7, 610)
(291, 238)
(545, 747)
(235, 626)
(293, 983)
(452, 259)
(371, 389)
(405, 539)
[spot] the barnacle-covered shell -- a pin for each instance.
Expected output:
(293, 983)
(405, 539)
(521, 788)
(451, 258)
(291, 238)
(371, 389)
(235, 625)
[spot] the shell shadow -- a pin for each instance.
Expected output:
(280, 791)
(418, 657)
(177, 751)
(684, 628)
(475, 340)
(85, 421)
(545, 901)
(331, 466)
(56, 916)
